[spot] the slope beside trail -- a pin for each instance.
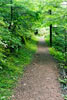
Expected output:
(40, 80)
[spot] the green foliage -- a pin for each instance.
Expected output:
(14, 67)
(58, 51)
(65, 97)
(18, 20)
(17, 23)
(58, 45)
(63, 81)
(57, 54)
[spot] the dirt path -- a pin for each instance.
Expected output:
(40, 79)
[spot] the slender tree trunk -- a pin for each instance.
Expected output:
(51, 35)
(50, 30)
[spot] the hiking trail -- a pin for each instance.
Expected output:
(40, 80)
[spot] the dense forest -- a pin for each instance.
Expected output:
(18, 21)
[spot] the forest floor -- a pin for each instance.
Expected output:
(40, 79)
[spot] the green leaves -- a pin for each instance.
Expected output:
(18, 19)
(58, 13)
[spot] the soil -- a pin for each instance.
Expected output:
(40, 80)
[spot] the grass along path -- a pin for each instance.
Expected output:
(14, 68)
(40, 80)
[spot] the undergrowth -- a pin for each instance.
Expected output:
(13, 68)
(57, 50)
